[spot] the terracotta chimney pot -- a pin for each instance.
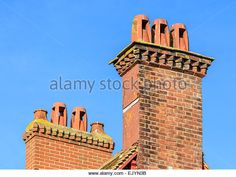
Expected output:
(97, 127)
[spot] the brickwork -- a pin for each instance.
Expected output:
(162, 110)
(170, 121)
(130, 115)
(166, 120)
(52, 145)
(164, 114)
(44, 152)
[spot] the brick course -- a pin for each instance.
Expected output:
(166, 116)
(162, 112)
(44, 152)
(54, 146)
(131, 116)
(170, 121)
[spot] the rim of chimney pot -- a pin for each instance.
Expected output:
(40, 109)
(97, 122)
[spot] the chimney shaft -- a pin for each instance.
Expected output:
(163, 111)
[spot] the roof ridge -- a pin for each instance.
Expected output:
(119, 158)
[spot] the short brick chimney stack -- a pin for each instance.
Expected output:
(53, 145)
(162, 95)
(97, 127)
(40, 114)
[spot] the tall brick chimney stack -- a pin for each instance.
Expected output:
(162, 111)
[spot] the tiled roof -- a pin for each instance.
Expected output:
(47, 128)
(117, 161)
(120, 159)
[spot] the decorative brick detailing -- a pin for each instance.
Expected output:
(160, 32)
(166, 123)
(59, 114)
(160, 56)
(179, 36)
(141, 30)
(48, 129)
(79, 119)
(162, 127)
(53, 146)
(40, 114)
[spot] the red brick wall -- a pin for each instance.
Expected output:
(169, 121)
(44, 152)
(131, 116)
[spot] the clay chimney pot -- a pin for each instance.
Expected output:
(40, 114)
(97, 127)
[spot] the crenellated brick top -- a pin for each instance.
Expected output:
(77, 132)
(40, 127)
(161, 56)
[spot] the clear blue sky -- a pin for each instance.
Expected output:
(42, 40)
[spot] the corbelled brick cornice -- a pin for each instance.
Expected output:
(39, 127)
(161, 56)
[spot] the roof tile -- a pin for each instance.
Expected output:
(120, 158)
